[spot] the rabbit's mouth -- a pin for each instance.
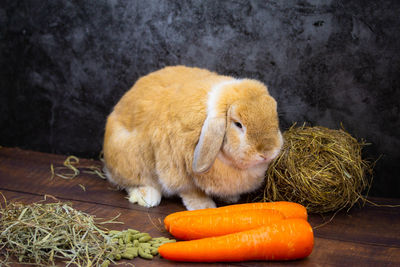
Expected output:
(243, 164)
(255, 163)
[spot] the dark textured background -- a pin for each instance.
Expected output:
(64, 64)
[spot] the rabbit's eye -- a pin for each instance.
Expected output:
(238, 124)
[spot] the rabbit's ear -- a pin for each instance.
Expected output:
(210, 142)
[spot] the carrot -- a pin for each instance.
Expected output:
(207, 225)
(283, 240)
(289, 210)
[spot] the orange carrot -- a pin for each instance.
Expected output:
(283, 240)
(289, 210)
(207, 225)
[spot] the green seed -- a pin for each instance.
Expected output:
(169, 241)
(144, 238)
(163, 242)
(135, 243)
(137, 236)
(160, 238)
(133, 231)
(144, 255)
(154, 251)
(128, 238)
(105, 263)
(144, 245)
(127, 255)
(117, 257)
(133, 251)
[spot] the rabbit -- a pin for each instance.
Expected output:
(190, 132)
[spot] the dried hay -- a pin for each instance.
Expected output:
(319, 168)
(45, 234)
(41, 233)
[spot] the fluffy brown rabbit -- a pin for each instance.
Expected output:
(191, 132)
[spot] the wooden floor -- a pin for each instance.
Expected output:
(368, 236)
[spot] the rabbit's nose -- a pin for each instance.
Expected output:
(264, 158)
(269, 155)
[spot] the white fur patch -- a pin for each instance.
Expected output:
(214, 95)
(121, 134)
(146, 196)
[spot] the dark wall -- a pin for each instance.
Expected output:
(64, 64)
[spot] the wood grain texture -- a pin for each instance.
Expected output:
(366, 236)
(65, 64)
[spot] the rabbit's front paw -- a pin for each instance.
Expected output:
(146, 196)
(196, 201)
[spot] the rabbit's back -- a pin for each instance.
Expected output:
(171, 94)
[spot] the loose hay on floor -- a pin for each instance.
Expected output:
(40, 233)
(46, 233)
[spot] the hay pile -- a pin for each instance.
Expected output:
(319, 168)
(41, 233)
(45, 234)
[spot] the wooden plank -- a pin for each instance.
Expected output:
(340, 253)
(29, 171)
(369, 224)
(327, 251)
